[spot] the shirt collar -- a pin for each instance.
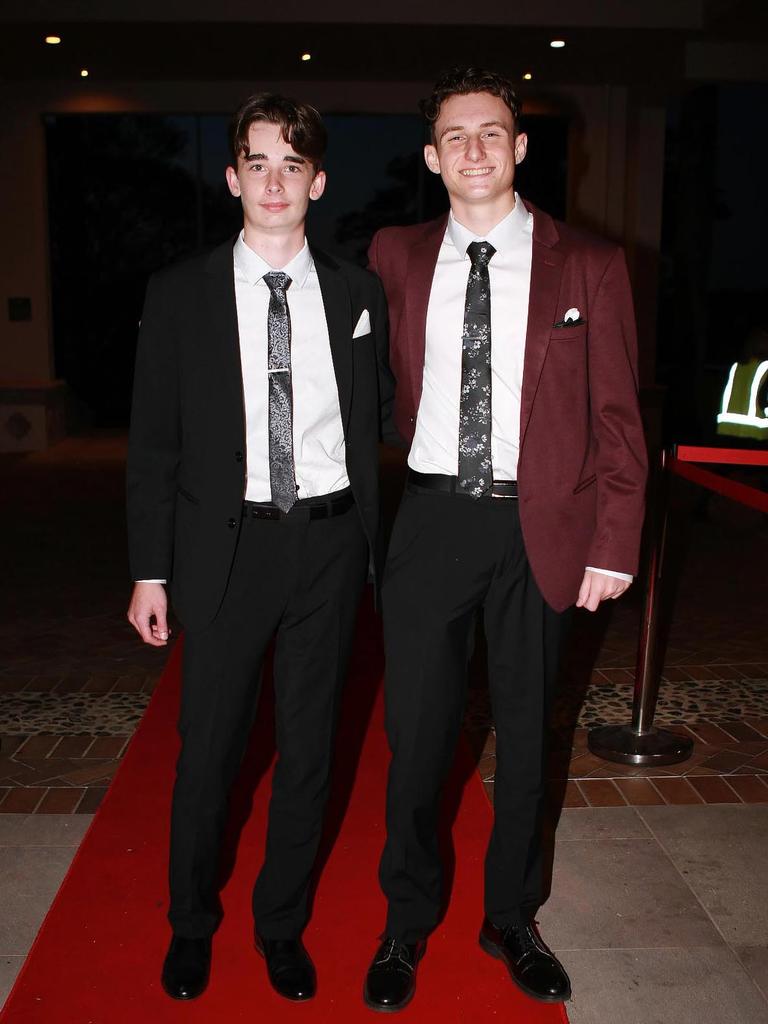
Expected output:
(253, 267)
(503, 236)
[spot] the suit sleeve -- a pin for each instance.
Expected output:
(373, 255)
(620, 457)
(389, 432)
(154, 441)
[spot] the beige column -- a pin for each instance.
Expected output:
(616, 172)
(642, 226)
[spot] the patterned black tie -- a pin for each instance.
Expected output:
(475, 468)
(282, 477)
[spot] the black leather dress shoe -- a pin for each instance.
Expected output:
(534, 968)
(291, 972)
(391, 980)
(186, 968)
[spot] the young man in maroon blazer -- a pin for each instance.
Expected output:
(512, 339)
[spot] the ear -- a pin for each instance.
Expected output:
(232, 181)
(521, 147)
(317, 187)
(431, 158)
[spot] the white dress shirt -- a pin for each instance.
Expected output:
(318, 436)
(435, 447)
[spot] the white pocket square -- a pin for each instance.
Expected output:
(572, 314)
(363, 325)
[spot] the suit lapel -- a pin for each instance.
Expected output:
(421, 269)
(546, 271)
(338, 317)
(221, 310)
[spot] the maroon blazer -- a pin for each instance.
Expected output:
(582, 465)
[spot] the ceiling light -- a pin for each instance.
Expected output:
(557, 44)
(306, 56)
(84, 73)
(527, 76)
(53, 40)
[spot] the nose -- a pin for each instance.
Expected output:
(274, 184)
(475, 149)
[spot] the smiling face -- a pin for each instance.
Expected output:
(476, 152)
(274, 183)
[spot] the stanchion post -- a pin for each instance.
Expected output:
(647, 667)
(641, 743)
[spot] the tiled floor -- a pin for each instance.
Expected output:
(35, 852)
(659, 892)
(722, 769)
(660, 914)
(74, 681)
(47, 774)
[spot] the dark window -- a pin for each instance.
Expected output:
(130, 193)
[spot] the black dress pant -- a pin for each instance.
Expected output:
(300, 581)
(451, 555)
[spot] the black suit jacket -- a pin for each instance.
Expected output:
(186, 453)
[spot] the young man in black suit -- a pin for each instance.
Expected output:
(253, 492)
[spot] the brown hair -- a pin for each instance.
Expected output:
(461, 81)
(301, 125)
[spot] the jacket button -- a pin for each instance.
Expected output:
(231, 523)
(238, 456)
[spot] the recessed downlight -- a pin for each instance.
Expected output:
(306, 56)
(53, 40)
(557, 44)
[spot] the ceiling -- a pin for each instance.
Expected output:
(649, 50)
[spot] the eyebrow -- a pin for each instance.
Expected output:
(292, 158)
(461, 128)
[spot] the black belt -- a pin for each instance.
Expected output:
(450, 485)
(325, 508)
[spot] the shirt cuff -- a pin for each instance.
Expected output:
(150, 581)
(609, 572)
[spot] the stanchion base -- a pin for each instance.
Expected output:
(620, 744)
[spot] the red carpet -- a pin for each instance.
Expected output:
(98, 955)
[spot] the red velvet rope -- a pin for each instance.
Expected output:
(742, 493)
(731, 456)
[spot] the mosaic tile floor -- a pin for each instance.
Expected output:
(116, 714)
(680, 702)
(30, 711)
(74, 680)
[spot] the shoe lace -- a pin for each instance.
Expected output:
(392, 949)
(524, 937)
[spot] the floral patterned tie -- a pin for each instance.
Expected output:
(475, 468)
(282, 476)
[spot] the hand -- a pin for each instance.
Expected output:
(597, 587)
(149, 601)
